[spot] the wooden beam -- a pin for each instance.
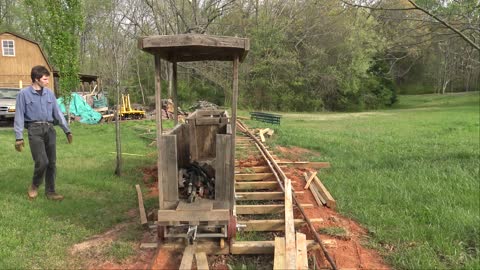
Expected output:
(203, 245)
(320, 201)
(141, 206)
(330, 201)
(264, 208)
(260, 247)
(175, 95)
(194, 216)
(309, 180)
(272, 225)
(305, 164)
(290, 247)
(262, 196)
(252, 176)
(279, 254)
(187, 258)
(202, 262)
(158, 109)
(256, 169)
(256, 185)
(302, 258)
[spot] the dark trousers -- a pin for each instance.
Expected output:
(42, 138)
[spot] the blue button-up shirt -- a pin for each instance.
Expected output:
(33, 107)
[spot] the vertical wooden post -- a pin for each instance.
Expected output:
(175, 96)
(290, 244)
(158, 108)
(233, 123)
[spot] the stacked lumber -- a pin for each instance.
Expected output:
(320, 193)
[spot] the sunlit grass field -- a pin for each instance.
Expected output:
(410, 175)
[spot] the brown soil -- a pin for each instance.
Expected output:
(90, 254)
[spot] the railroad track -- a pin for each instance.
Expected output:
(265, 203)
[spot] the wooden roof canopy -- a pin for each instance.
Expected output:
(195, 47)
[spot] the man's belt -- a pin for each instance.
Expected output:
(34, 123)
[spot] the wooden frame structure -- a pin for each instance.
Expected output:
(206, 134)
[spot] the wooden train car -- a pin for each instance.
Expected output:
(207, 136)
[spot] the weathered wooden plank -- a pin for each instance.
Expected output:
(256, 185)
(194, 216)
(255, 169)
(313, 189)
(201, 259)
(207, 121)
(209, 247)
(330, 201)
(175, 93)
(158, 116)
(187, 258)
(305, 164)
(309, 180)
(235, 64)
(260, 247)
(290, 249)
(220, 170)
(262, 196)
(302, 257)
(279, 258)
(252, 176)
(169, 167)
(272, 224)
(264, 209)
(141, 206)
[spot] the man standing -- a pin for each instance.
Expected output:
(37, 109)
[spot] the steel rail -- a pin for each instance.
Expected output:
(276, 169)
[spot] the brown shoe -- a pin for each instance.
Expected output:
(32, 192)
(54, 196)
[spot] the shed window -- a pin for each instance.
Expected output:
(8, 47)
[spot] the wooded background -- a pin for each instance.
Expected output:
(306, 55)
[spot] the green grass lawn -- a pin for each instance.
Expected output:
(410, 175)
(38, 234)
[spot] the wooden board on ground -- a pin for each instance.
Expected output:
(187, 258)
(252, 176)
(302, 258)
(251, 209)
(290, 248)
(256, 185)
(271, 225)
(305, 164)
(262, 196)
(309, 180)
(325, 194)
(320, 201)
(261, 247)
(201, 259)
(279, 254)
(141, 207)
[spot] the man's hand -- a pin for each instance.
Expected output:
(19, 145)
(69, 137)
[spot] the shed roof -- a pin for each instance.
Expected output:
(195, 47)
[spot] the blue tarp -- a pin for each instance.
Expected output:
(80, 107)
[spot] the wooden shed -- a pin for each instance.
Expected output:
(19, 54)
(206, 135)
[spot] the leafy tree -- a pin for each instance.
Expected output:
(57, 25)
